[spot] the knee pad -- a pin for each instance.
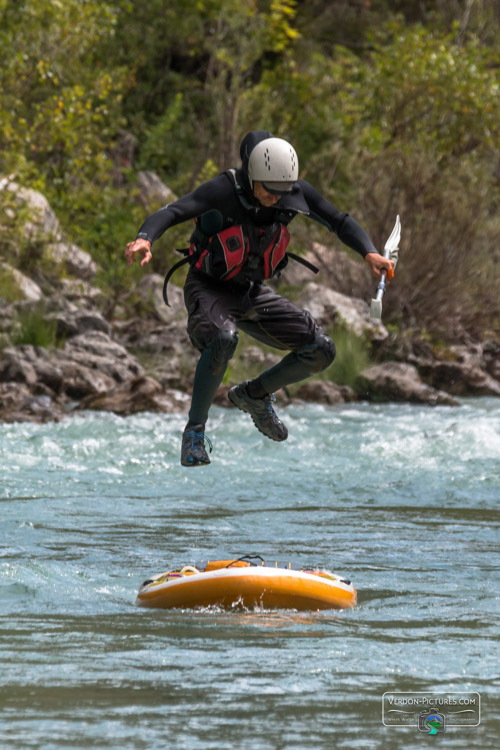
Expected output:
(222, 348)
(319, 353)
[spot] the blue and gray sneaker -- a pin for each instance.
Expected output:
(193, 451)
(261, 410)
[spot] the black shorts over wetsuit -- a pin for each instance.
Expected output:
(255, 309)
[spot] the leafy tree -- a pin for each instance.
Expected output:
(61, 105)
(428, 143)
(392, 106)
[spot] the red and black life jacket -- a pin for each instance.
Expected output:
(238, 252)
(241, 252)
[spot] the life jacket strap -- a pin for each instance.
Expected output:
(171, 271)
(304, 262)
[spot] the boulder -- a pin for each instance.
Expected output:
(90, 363)
(339, 269)
(143, 394)
(97, 351)
(458, 378)
(169, 352)
(16, 367)
(153, 193)
(76, 261)
(41, 222)
(397, 381)
(332, 308)
(325, 392)
(71, 322)
(15, 286)
(80, 381)
(79, 292)
(19, 404)
(256, 361)
(31, 365)
(150, 289)
(491, 358)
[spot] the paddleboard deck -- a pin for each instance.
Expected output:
(238, 583)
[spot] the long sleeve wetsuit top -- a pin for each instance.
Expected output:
(228, 200)
(218, 196)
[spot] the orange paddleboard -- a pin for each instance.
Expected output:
(233, 583)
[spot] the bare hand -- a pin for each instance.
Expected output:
(143, 247)
(378, 264)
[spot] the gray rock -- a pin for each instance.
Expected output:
(73, 322)
(42, 221)
(339, 270)
(31, 365)
(491, 358)
(75, 260)
(458, 378)
(7, 318)
(167, 347)
(23, 288)
(90, 363)
(80, 381)
(153, 193)
(150, 289)
(143, 394)
(16, 367)
(332, 308)
(80, 292)
(255, 360)
(397, 381)
(19, 404)
(97, 351)
(325, 392)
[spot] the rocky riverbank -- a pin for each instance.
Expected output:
(130, 363)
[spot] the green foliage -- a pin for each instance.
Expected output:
(425, 144)
(61, 108)
(9, 290)
(353, 356)
(110, 222)
(427, 92)
(35, 329)
(204, 112)
(13, 217)
(392, 106)
(60, 105)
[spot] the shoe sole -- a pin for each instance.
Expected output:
(240, 404)
(193, 463)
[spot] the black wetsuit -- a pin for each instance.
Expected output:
(219, 194)
(217, 308)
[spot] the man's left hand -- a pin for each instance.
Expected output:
(378, 264)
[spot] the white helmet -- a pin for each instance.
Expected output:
(274, 162)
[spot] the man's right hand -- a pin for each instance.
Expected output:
(143, 247)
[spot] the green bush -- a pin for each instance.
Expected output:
(35, 329)
(392, 106)
(9, 290)
(353, 356)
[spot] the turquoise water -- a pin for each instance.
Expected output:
(402, 500)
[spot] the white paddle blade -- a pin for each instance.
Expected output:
(391, 250)
(376, 309)
(392, 243)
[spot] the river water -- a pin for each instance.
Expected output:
(401, 499)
